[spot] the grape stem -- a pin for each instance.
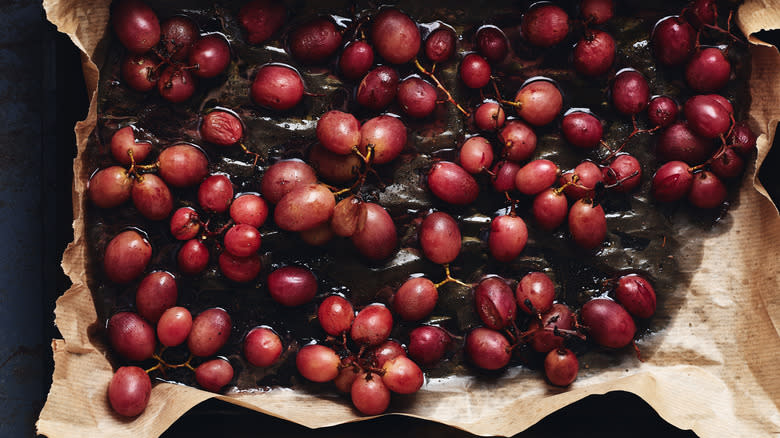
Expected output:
(449, 279)
(441, 87)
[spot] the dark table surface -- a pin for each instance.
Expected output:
(42, 96)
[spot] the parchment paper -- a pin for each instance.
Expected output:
(714, 371)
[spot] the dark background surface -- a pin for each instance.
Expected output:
(42, 95)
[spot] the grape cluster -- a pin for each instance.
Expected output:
(335, 194)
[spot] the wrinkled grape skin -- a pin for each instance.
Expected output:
(136, 25)
(376, 238)
(210, 332)
(476, 154)
(261, 19)
(152, 197)
(540, 102)
(370, 396)
(708, 70)
(372, 325)
(536, 176)
(185, 223)
(378, 88)
(315, 41)
(550, 209)
(538, 289)
(178, 34)
(215, 193)
(402, 375)
(561, 367)
(131, 336)
(582, 129)
(335, 315)
(673, 40)
(182, 165)
(488, 349)
(356, 59)
(587, 224)
(338, 131)
(221, 128)
(428, 344)
(283, 177)
(507, 238)
(662, 111)
(239, 269)
(123, 141)
(609, 324)
(176, 84)
(292, 286)
(672, 181)
(387, 134)
(110, 187)
(519, 141)
(349, 215)
(317, 363)
(440, 237)
(138, 72)
(742, 139)
(214, 374)
(440, 44)
(129, 391)
(211, 54)
(495, 303)
(126, 257)
(277, 87)
(630, 92)
(452, 184)
(305, 207)
(637, 295)
(415, 299)
(707, 190)
(249, 209)
(156, 293)
(193, 257)
(475, 71)
(594, 54)
(262, 347)
(416, 97)
(545, 25)
(395, 36)
(174, 326)
(544, 338)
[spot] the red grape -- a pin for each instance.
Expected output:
(476, 154)
(679, 142)
(129, 391)
(315, 41)
(183, 165)
(637, 295)
(630, 92)
(176, 84)
(335, 315)
(597, 11)
(619, 172)
(356, 59)
(152, 197)
(608, 323)
(139, 72)
(415, 299)
(540, 101)
(503, 177)
(495, 302)
(550, 209)
(492, 43)
(519, 141)
(588, 176)
(544, 331)
(174, 326)
(475, 71)
(214, 374)
(440, 237)
(210, 331)
(123, 141)
(416, 97)
(377, 88)
(489, 116)
(488, 349)
(544, 25)
(561, 367)
(292, 285)
(587, 224)
(440, 44)
(109, 187)
(136, 25)
(395, 36)
(131, 336)
(283, 177)
(239, 269)
(369, 394)
(250, 209)
(185, 223)
(261, 19)
(428, 344)
(178, 34)
(707, 190)
(193, 257)
(672, 181)
(708, 70)
(507, 238)
(536, 176)
(662, 111)
(728, 165)
(338, 131)
(156, 293)
(706, 116)
(262, 347)
(594, 54)
(305, 207)
(242, 240)
(673, 40)
(387, 134)
(535, 293)
(402, 375)
(215, 193)
(317, 363)
(372, 325)
(211, 54)
(277, 87)
(582, 129)
(126, 256)
(452, 184)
